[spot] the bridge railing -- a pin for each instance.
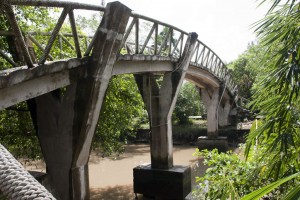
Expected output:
(55, 35)
(143, 35)
(148, 36)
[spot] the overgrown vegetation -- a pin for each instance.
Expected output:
(123, 105)
(188, 104)
(272, 150)
(228, 176)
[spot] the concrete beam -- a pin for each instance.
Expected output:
(20, 84)
(204, 76)
(133, 67)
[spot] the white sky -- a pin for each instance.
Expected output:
(223, 25)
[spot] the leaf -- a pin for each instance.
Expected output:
(267, 189)
(293, 194)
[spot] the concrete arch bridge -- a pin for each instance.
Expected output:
(125, 42)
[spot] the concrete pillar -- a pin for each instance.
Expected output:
(210, 98)
(161, 179)
(224, 111)
(66, 122)
(54, 121)
(91, 91)
(160, 103)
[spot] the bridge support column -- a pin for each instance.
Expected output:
(66, 122)
(211, 98)
(224, 111)
(160, 103)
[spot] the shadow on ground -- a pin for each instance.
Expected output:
(119, 192)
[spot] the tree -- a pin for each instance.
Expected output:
(29, 18)
(274, 146)
(188, 103)
(277, 94)
(280, 104)
(16, 129)
(118, 118)
(246, 68)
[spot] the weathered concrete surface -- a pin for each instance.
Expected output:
(17, 85)
(211, 99)
(90, 95)
(200, 76)
(55, 120)
(160, 103)
(174, 183)
(156, 65)
(223, 112)
(66, 121)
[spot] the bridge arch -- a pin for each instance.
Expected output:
(86, 78)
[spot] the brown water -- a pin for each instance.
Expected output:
(112, 178)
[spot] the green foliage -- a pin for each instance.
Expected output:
(33, 18)
(123, 105)
(278, 137)
(295, 194)
(272, 149)
(17, 132)
(246, 68)
(89, 25)
(188, 104)
(228, 176)
(231, 177)
(29, 19)
(188, 133)
(276, 142)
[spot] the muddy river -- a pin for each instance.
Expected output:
(112, 178)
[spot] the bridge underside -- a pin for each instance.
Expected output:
(41, 82)
(66, 120)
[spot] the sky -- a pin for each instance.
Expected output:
(223, 25)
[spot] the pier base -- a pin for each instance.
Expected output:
(174, 183)
(220, 143)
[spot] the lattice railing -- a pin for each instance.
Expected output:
(151, 37)
(144, 36)
(67, 11)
